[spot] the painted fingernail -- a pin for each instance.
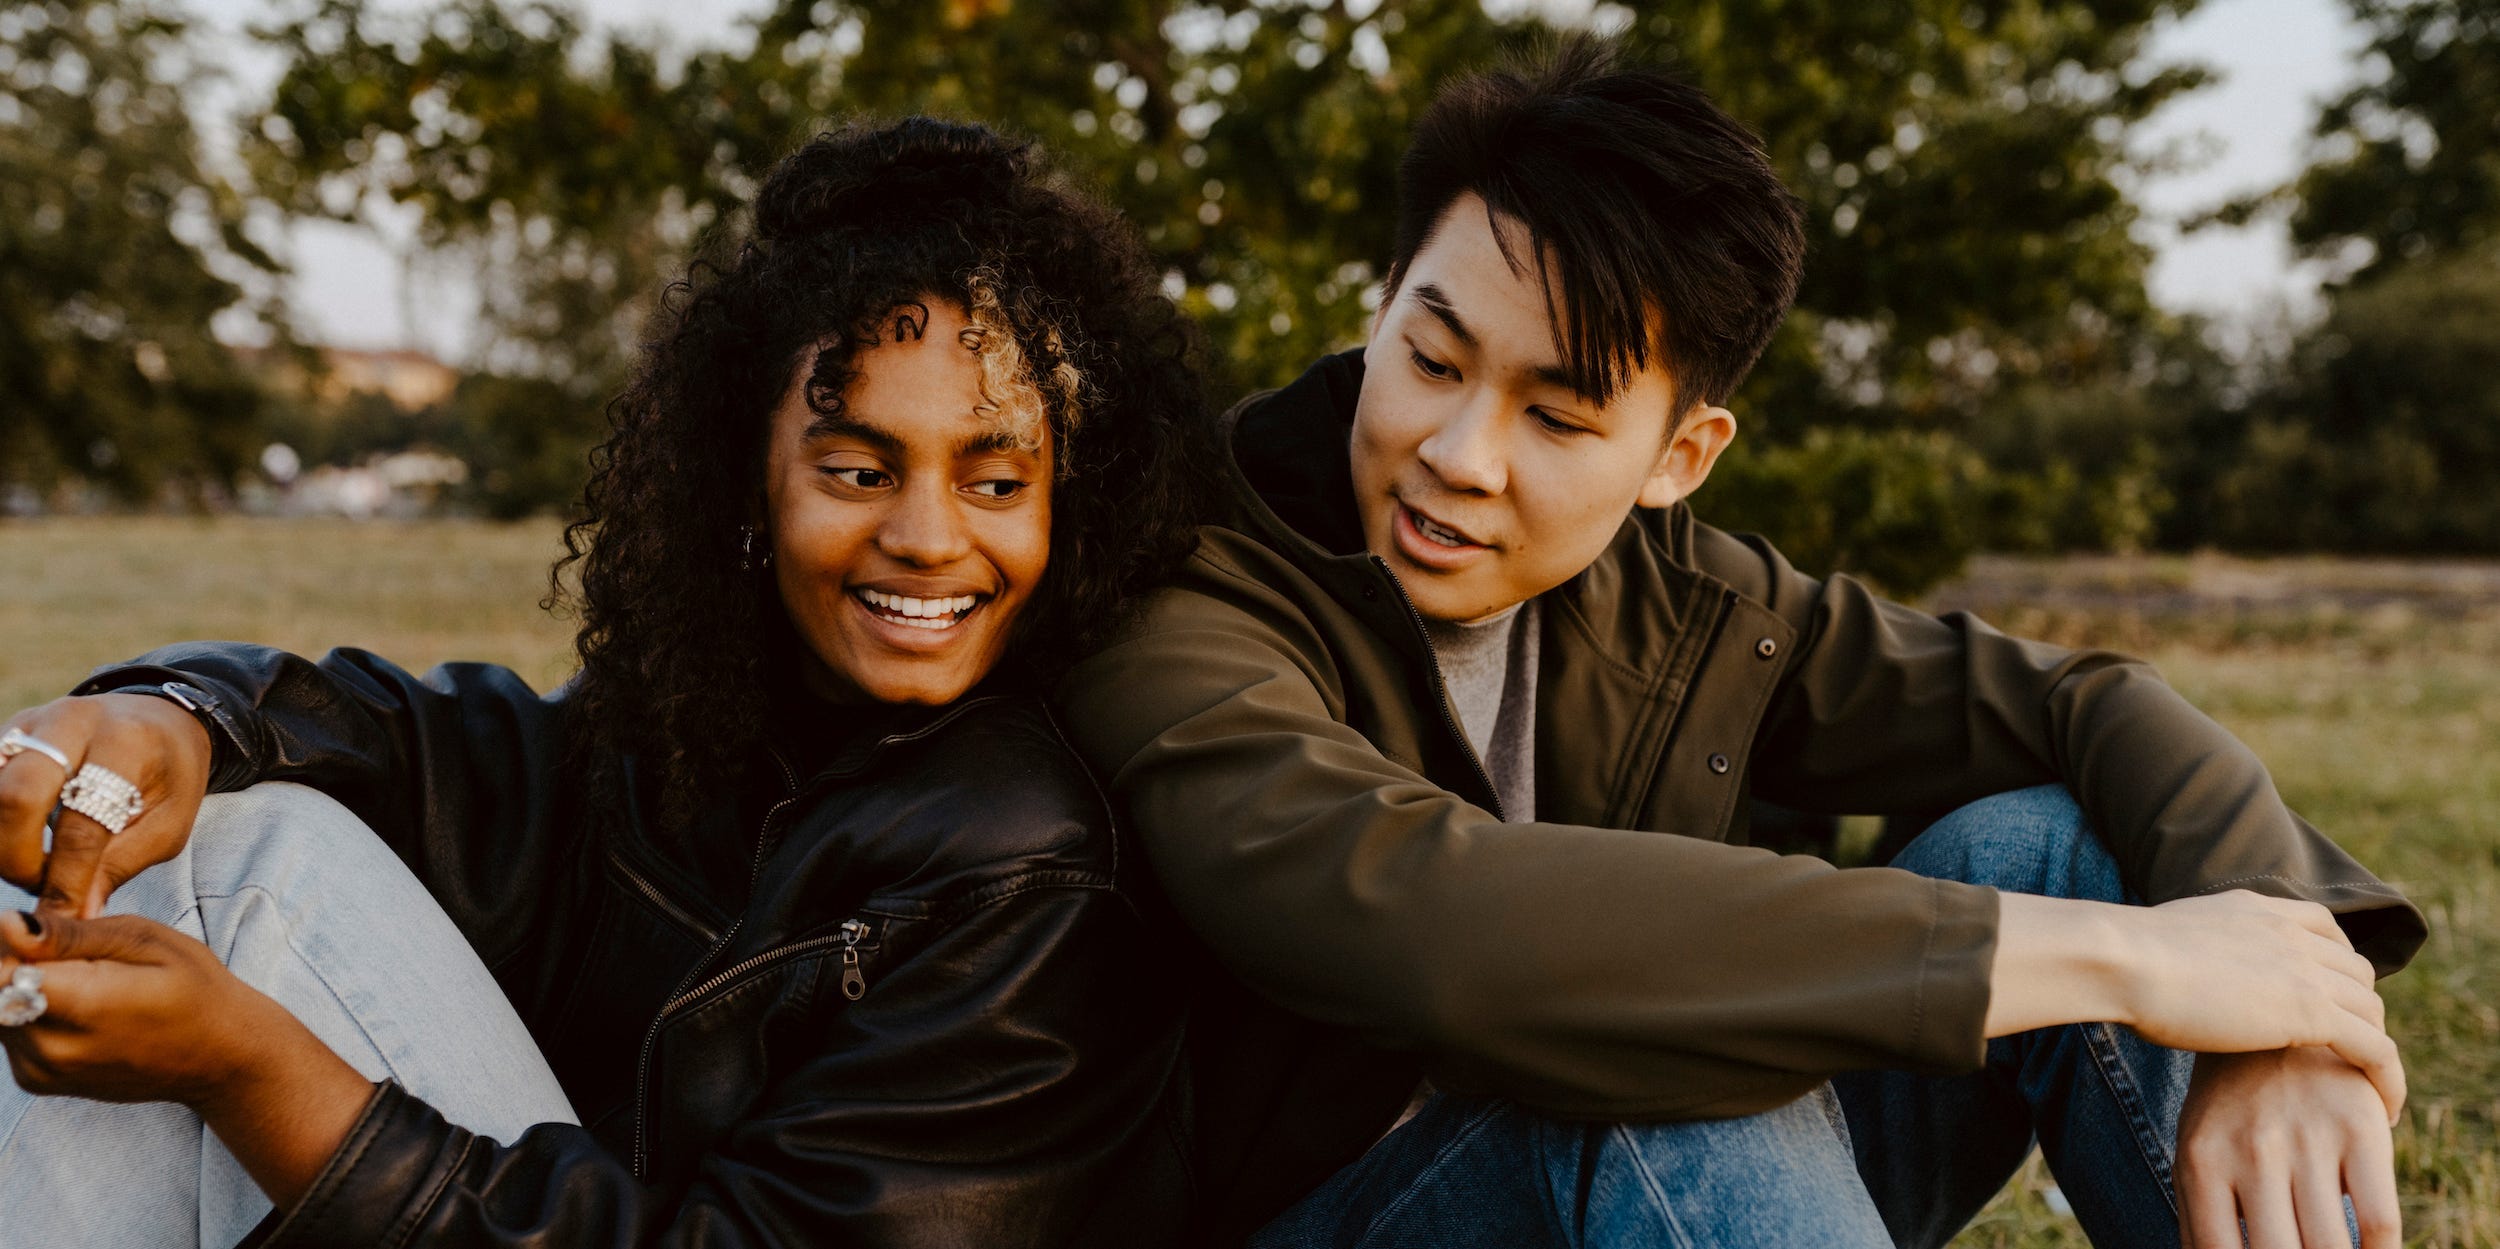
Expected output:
(34, 926)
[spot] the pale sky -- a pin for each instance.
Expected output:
(2277, 60)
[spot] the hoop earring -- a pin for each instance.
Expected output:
(750, 559)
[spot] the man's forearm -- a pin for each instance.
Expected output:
(2058, 961)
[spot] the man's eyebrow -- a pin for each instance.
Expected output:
(1557, 376)
(1437, 302)
(843, 425)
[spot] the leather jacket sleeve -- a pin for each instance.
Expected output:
(977, 1093)
(456, 770)
(993, 1129)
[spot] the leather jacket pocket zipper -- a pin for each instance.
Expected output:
(854, 982)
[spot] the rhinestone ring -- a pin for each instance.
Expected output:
(16, 742)
(103, 795)
(22, 1001)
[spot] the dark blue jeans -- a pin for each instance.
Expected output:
(1873, 1159)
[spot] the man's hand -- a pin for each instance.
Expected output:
(2277, 1139)
(2238, 972)
(149, 742)
(2231, 972)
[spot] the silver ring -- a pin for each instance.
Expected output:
(103, 795)
(22, 1001)
(18, 741)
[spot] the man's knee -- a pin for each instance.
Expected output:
(2024, 841)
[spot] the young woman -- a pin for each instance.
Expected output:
(790, 920)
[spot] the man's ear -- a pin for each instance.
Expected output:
(1688, 457)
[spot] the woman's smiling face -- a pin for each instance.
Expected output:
(909, 529)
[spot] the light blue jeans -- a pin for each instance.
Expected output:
(1872, 1160)
(302, 901)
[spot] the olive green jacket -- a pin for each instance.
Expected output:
(1276, 730)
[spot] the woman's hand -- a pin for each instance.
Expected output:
(148, 741)
(138, 1012)
(2277, 1139)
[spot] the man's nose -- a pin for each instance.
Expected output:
(1466, 452)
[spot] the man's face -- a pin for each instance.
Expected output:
(909, 531)
(1482, 478)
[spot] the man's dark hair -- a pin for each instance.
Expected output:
(1653, 219)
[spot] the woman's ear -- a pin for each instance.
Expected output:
(1690, 452)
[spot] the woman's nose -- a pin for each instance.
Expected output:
(924, 528)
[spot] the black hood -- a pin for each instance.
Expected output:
(1291, 455)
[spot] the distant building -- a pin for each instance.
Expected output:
(411, 380)
(339, 388)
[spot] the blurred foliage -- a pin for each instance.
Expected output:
(2385, 432)
(1960, 162)
(117, 246)
(1893, 506)
(2379, 427)
(1973, 361)
(2411, 158)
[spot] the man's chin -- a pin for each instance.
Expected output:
(1444, 598)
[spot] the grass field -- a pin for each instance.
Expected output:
(2373, 690)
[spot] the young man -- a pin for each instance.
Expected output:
(1442, 745)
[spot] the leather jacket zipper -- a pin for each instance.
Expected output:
(651, 1036)
(853, 932)
(1440, 691)
(688, 989)
(854, 984)
(661, 900)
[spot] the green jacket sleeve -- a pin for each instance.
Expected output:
(1582, 971)
(1885, 708)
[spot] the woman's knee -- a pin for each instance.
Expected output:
(279, 837)
(2032, 840)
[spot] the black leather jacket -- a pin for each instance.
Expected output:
(904, 1000)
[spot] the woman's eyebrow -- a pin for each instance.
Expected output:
(989, 442)
(844, 425)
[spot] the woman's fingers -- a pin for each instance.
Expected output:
(154, 746)
(62, 939)
(77, 880)
(30, 786)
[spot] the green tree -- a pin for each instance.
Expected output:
(2381, 431)
(1961, 163)
(2386, 435)
(1901, 508)
(117, 248)
(2410, 160)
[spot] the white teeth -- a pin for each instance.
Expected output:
(1443, 536)
(925, 613)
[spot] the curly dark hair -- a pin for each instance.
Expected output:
(678, 641)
